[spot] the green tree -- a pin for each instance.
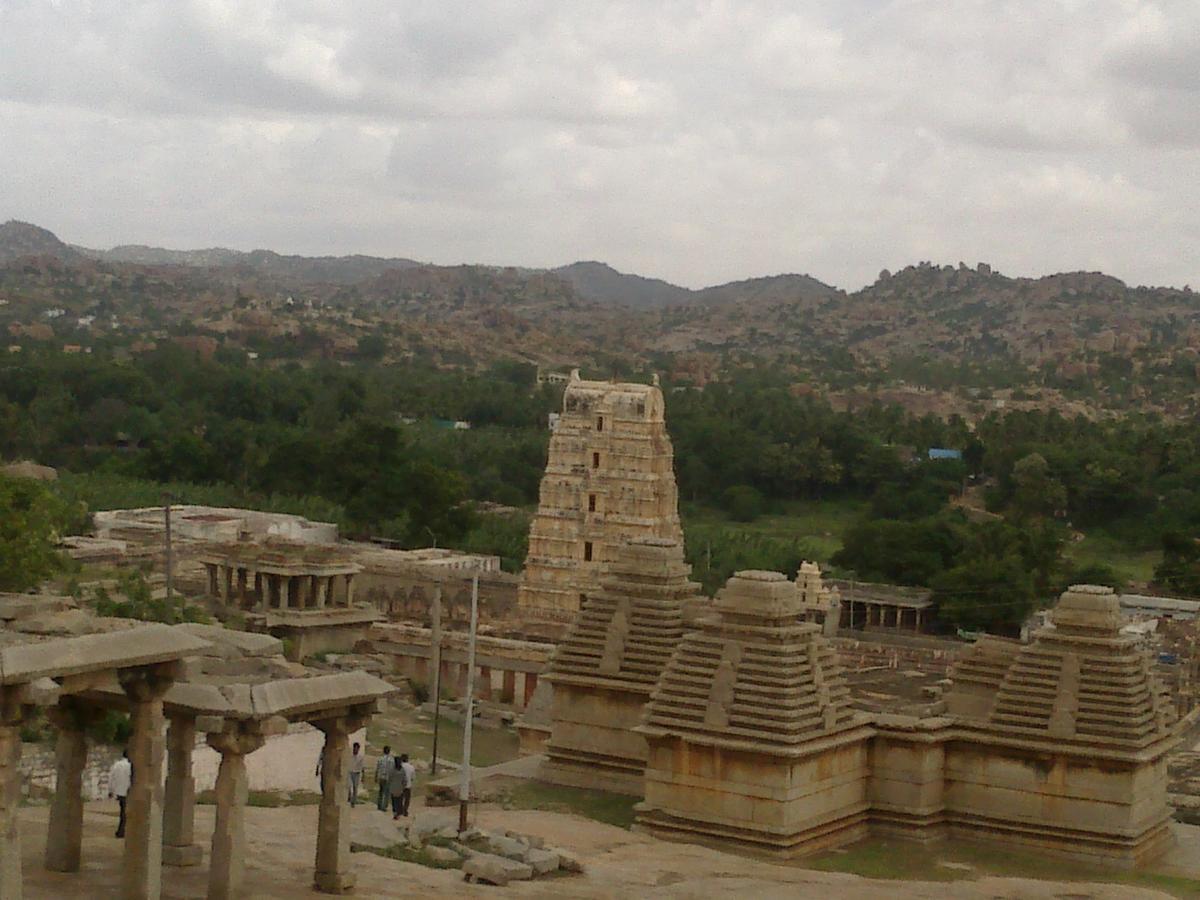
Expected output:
(31, 519)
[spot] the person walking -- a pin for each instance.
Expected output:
(384, 767)
(410, 777)
(399, 787)
(357, 760)
(120, 778)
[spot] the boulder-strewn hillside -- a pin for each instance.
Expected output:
(950, 327)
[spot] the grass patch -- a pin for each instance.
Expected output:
(892, 859)
(1102, 549)
(411, 732)
(268, 799)
(611, 809)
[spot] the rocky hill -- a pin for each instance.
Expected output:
(950, 327)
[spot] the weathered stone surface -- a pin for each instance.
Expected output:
(496, 869)
(244, 643)
(296, 696)
(442, 854)
(750, 732)
(507, 847)
(609, 478)
(144, 645)
(375, 832)
(542, 861)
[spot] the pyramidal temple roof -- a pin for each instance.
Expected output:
(627, 632)
(755, 675)
(1079, 679)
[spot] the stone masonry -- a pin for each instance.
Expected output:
(608, 479)
(751, 736)
(606, 668)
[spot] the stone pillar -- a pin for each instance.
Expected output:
(917, 625)
(179, 797)
(461, 679)
(313, 589)
(332, 874)
(227, 865)
(211, 570)
(485, 683)
(10, 803)
(241, 587)
(64, 837)
(530, 686)
(324, 585)
(227, 583)
(141, 876)
(508, 690)
(349, 590)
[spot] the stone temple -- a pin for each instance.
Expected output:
(607, 666)
(608, 479)
(1057, 746)
(751, 735)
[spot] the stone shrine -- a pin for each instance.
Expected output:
(607, 666)
(608, 479)
(750, 732)
(1063, 741)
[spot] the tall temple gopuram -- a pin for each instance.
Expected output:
(609, 479)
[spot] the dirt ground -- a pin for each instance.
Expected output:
(618, 863)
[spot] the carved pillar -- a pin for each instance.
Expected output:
(141, 877)
(485, 683)
(349, 590)
(241, 587)
(227, 865)
(508, 689)
(10, 801)
(179, 796)
(211, 570)
(227, 583)
(64, 836)
(322, 591)
(332, 874)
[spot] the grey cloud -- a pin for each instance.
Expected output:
(698, 141)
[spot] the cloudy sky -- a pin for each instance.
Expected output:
(694, 141)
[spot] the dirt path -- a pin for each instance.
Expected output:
(618, 864)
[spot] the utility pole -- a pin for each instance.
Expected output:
(435, 636)
(169, 562)
(464, 791)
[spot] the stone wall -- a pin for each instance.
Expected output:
(406, 595)
(39, 770)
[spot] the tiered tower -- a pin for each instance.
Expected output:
(750, 732)
(608, 480)
(1069, 737)
(605, 669)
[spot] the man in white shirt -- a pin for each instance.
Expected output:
(410, 776)
(120, 778)
(358, 759)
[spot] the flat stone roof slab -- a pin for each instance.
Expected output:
(141, 646)
(247, 643)
(294, 697)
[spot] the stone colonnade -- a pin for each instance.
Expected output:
(884, 615)
(493, 681)
(249, 588)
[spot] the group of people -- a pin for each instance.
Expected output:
(394, 776)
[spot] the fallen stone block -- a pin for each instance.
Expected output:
(443, 854)
(495, 869)
(542, 862)
(507, 847)
(568, 862)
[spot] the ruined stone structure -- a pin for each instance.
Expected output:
(608, 479)
(607, 666)
(750, 731)
(507, 671)
(303, 593)
(1063, 741)
(1057, 746)
(138, 670)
